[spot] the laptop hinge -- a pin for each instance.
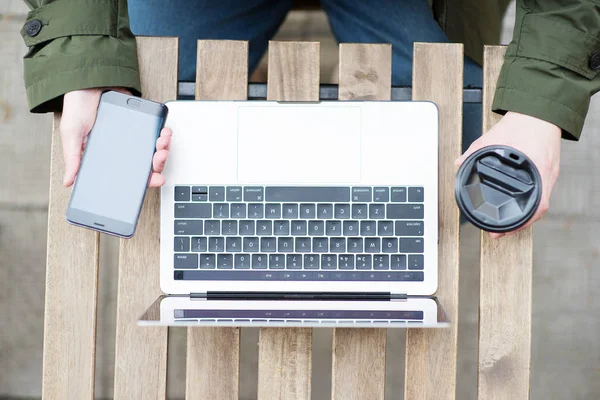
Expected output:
(202, 295)
(398, 296)
(373, 296)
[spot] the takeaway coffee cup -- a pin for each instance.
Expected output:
(498, 188)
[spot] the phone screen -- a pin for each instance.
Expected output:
(113, 176)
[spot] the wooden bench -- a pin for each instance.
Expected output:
(284, 368)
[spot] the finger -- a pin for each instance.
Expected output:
(72, 146)
(163, 143)
(159, 160)
(495, 235)
(156, 180)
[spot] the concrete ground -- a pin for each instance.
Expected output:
(566, 297)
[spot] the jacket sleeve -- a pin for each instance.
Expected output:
(551, 66)
(77, 44)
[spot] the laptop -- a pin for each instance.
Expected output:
(311, 214)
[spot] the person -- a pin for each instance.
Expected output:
(77, 49)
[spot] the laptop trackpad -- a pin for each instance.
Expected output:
(299, 144)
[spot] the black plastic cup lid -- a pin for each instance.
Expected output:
(498, 188)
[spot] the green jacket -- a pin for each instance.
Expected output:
(550, 71)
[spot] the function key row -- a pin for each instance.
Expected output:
(302, 211)
(380, 194)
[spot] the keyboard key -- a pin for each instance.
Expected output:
(363, 262)
(188, 227)
(377, 211)
(229, 228)
(359, 211)
(409, 245)
(255, 211)
(253, 193)
(368, 228)
(212, 228)
(399, 261)
(299, 228)
(409, 228)
(385, 228)
(251, 244)
(337, 245)
(182, 193)
(389, 245)
(316, 228)
(259, 261)
(328, 262)
(342, 211)
(290, 211)
(225, 261)
(398, 195)
(381, 262)
(333, 228)
(355, 245)
(247, 228)
(276, 261)
(185, 261)
(372, 245)
(242, 261)
(286, 245)
(294, 261)
(303, 245)
(273, 211)
(200, 190)
(324, 211)
(381, 194)
(234, 193)
(307, 194)
(199, 244)
(362, 194)
(199, 197)
(415, 262)
(281, 228)
(216, 193)
(207, 261)
(268, 245)
(264, 228)
(311, 261)
(192, 210)
(182, 244)
(216, 244)
(415, 194)
(238, 210)
(320, 245)
(308, 211)
(350, 228)
(405, 211)
(233, 244)
(220, 210)
(346, 262)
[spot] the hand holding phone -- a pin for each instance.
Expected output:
(117, 164)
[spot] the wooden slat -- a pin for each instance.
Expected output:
(284, 366)
(431, 353)
(213, 354)
(141, 352)
(71, 294)
(358, 367)
(505, 288)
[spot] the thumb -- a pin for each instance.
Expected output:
(72, 145)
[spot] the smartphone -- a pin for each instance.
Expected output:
(109, 190)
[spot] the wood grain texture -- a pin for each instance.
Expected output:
(141, 352)
(284, 363)
(358, 366)
(293, 71)
(365, 71)
(71, 294)
(505, 288)
(213, 354)
(285, 359)
(431, 353)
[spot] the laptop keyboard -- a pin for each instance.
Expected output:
(299, 233)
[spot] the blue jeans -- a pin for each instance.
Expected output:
(399, 22)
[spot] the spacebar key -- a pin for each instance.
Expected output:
(307, 194)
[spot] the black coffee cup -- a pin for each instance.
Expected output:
(498, 188)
